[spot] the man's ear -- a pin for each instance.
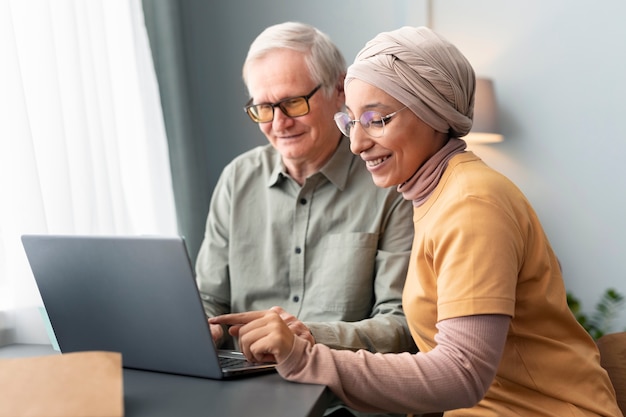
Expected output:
(340, 83)
(341, 94)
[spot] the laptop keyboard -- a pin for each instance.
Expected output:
(233, 362)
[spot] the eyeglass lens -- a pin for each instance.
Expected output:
(371, 121)
(292, 107)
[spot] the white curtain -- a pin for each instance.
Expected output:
(82, 139)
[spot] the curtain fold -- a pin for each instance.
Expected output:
(187, 148)
(82, 139)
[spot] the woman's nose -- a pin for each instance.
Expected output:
(359, 140)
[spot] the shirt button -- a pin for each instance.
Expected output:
(295, 298)
(298, 250)
(303, 201)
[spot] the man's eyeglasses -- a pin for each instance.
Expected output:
(371, 121)
(290, 106)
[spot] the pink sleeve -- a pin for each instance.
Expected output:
(456, 374)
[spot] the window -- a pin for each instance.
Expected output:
(82, 141)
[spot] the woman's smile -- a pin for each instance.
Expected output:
(373, 163)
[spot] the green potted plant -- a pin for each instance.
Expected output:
(600, 321)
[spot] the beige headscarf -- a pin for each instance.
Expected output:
(424, 72)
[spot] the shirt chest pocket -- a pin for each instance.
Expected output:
(343, 278)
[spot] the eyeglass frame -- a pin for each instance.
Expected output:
(306, 98)
(383, 119)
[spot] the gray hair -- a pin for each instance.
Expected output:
(326, 64)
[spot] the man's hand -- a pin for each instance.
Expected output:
(217, 332)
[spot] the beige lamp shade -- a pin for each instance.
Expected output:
(485, 128)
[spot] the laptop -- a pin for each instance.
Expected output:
(131, 294)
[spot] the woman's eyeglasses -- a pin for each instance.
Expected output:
(290, 106)
(372, 122)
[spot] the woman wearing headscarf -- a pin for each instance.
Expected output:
(484, 295)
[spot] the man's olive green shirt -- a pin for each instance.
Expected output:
(333, 252)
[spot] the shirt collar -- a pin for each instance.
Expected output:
(336, 170)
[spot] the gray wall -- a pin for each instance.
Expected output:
(558, 69)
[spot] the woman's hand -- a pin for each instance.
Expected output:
(263, 335)
(296, 326)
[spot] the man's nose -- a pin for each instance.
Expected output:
(281, 120)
